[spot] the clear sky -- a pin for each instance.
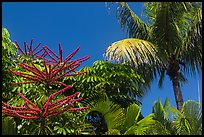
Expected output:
(88, 24)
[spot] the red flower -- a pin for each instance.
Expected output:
(49, 109)
(52, 73)
(28, 49)
(54, 58)
(49, 76)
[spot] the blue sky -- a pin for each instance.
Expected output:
(88, 24)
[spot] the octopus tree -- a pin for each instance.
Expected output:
(54, 69)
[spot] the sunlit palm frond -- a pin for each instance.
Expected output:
(192, 53)
(135, 27)
(134, 51)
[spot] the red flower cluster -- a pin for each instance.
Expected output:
(46, 54)
(53, 72)
(49, 109)
(54, 69)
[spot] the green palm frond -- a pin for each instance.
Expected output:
(189, 121)
(161, 78)
(192, 53)
(165, 30)
(135, 27)
(133, 51)
(112, 113)
(142, 127)
(158, 110)
(132, 114)
(166, 107)
(159, 129)
(193, 112)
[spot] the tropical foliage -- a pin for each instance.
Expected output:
(44, 93)
(121, 83)
(118, 120)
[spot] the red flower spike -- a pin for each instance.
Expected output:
(31, 43)
(36, 46)
(50, 51)
(25, 48)
(28, 49)
(19, 48)
(52, 73)
(30, 111)
(72, 54)
(25, 66)
(83, 59)
(37, 52)
(57, 58)
(63, 67)
(60, 52)
(53, 59)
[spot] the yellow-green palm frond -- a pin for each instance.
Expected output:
(132, 51)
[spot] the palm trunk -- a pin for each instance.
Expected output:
(177, 92)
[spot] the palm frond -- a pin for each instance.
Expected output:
(161, 79)
(131, 116)
(112, 113)
(134, 51)
(165, 30)
(158, 110)
(189, 121)
(142, 127)
(193, 112)
(192, 53)
(134, 26)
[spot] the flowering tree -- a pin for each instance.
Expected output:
(53, 70)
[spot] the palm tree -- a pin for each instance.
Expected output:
(168, 43)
